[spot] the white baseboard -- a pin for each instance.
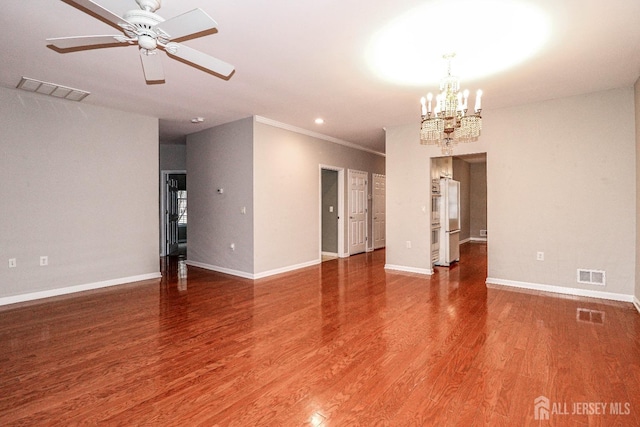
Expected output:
(558, 289)
(474, 240)
(636, 303)
(78, 288)
(286, 269)
(224, 270)
(334, 254)
(427, 271)
(252, 276)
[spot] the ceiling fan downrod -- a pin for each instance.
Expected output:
(149, 5)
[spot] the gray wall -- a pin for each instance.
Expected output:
(560, 173)
(637, 111)
(221, 157)
(173, 157)
(562, 181)
(287, 193)
(72, 166)
(461, 173)
(275, 174)
(478, 199)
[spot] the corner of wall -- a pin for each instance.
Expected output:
(637, 248)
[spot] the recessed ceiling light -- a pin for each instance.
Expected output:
(197, 120)
(319, 121)
(487, 37)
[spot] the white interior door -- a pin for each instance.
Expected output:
(172, 216)
(357, 211)
(379, 210)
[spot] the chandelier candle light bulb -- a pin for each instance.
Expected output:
(450, 123)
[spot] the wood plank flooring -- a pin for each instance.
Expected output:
(343, 343)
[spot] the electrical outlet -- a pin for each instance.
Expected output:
(408, 244)
(44, 261)
(12, 263)
(540, 256)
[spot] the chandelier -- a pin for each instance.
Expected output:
(450, 122)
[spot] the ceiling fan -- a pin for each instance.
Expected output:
(151, 33)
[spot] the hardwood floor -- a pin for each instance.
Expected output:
(339, 344)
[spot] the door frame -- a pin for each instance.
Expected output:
(341, 212)
(164, 174)
(373, 210)
(368, 199)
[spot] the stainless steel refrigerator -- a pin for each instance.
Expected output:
(450, 222)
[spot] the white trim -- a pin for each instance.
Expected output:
(427, 271)
(224, 270)
(367, 213)
(558, 289)
(636, 303)
(287, 269)
(163, 207)
(251, 276)
(334, 254)
(77, 288)
(291, 128)
(341, 212)
(477, 239)
(373, 210)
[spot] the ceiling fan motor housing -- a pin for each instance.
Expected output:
(143, 28)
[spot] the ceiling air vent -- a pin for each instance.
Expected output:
(591, 277)
(52, 89)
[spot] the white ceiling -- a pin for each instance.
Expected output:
(298, 60)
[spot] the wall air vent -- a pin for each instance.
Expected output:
(52, 89)
(591, 277)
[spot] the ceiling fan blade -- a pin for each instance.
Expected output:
(199, 59)
(101, 11)
(151, 65)
(84, 41)
(187, 24)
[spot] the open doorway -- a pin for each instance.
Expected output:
(331, 212)
(173, 213)
(470, 173)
